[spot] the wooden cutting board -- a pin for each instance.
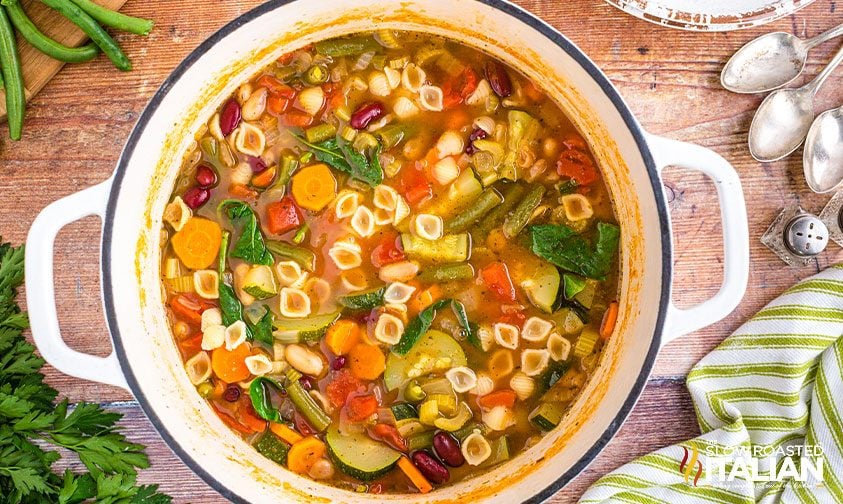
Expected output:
(39, 68)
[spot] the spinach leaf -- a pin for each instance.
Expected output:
(348, 160)
(262, 329)
(563, 247)
(469, 328)
(421, 323)
(250, 246)
(259, 395)
(232, 309)
(573, 285)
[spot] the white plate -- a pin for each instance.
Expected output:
(709, 15)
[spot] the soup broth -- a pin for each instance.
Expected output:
(390, 262)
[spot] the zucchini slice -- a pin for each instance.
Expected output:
(402, 411)
(546, 416)
(259, 282)
(542, 286)
(433, 348)
(360, 456)
(272, 447)
(362, 301)
(448, 249)
(305, 330)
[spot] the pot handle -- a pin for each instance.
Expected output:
(40, 288)
(669, 152)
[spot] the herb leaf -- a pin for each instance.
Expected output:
(260, 398)
(422, 322)
(262, 330)
(232, 309)
(563, 247)
(251, 246)
(348, 160)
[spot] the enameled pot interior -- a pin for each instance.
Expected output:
(147, 171)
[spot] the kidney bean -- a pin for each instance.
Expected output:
(448, 448)
(431, 468)
(230, 117)
(206, 177)
(232, 393)
(257, 164)
(365, 114)
(476, 134)
(498, 79)
(338, 363)
(307, 382)
(195, 197)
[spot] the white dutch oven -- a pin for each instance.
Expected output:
(145, 360)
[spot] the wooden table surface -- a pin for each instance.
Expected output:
(77, 125)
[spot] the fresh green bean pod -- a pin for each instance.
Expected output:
(347, 46)
(446, 273)
(93, 30)
(304, 403)
(484, 203)
(45, 44)
(114, 19)
(394, 134)
(511, 196)
(320, 132)
(522, 213)
(12, 77)
(305, 257)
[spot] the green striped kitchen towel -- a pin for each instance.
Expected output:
(769, 402)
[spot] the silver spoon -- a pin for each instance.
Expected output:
(770, 61)
(823, 156)
(784, 117)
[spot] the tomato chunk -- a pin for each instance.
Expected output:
(361, 407)
(389, 435)
(387, 251)
(343, 384)
(496, 277)
(283, 216)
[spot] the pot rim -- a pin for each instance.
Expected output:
(519, 14)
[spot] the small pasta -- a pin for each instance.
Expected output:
(480, 94)
(255, 106)
(389, 329)
(344, 257)
(318, 289)
(462, 378)
(445, 171)
(428, 226)
(241, 174)
(485, 123)
(393, 77)
(534, 362)
(402, 210)
(536, 329)
(398, 292)
(198, 368)
(486, 336)
(523, 385)
(501, 364)
(401, 271)
(235, 335)
(413, 77)
(383, 217)
(240, 272)
(207, 284)
(177, 214)
(290, 274)
(431, 98)
(506, 335)
(380, 123)
(385, 197)
(558, 347)
(214, 128)
(475, 448)
(244, 92)
(405, 108)
(577, 207)
(498, 418)
(379, 84)
(449, 144)
(211, 317)
(278, 350)
(484, 384)
(213, 337)
(312, 100)
(346, 204)
(250, 140)
(258, 364)
(294, 303)
(363, 221)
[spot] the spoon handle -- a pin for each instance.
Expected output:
(824, 37)
(818, 81)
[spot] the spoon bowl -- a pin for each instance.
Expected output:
(780, 124)
(823, 156)
(766, 63)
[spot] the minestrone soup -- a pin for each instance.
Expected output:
(390, 262)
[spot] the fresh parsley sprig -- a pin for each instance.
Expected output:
(31, 423)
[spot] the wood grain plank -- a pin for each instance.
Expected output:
(77, 125)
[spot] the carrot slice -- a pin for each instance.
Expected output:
(342, 336)
(198, 242)
(304, 454)
(424, 298)
(285, 433)
(503, 397)
(186, 310)
(367, 362)
(609, 320)
(415, 476)
(314, 187)
(265, 178)
(230, 365)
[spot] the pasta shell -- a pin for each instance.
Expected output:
(480, 94)
(506, 335)
(498, 418)
(385, 197)
(450, 143)
(207, 284)
(213, 337)
(401, 271)
(311, 100)
(318, 289)
(484, 385)
(402, 210)
(398, 292)
(389, 329)
(255, 106)
(577, 207)
(558, 347)
(393, 77)
(431, 98)
(446, 171)
(235, 335)
(462, 378)
(536, 329)
(346, 204)
(523, 385)
(278, 350)
(290, 274)
(177, 214)
(345, 258)
(413, 77)
(383, 217)
(486, 337)
(241, 174)
(214, 128)
(405, 108)
(211, 317)
(501, 364)
(475, 448)
(379, 84)
(258, 364)
(380, 123)
(244, 92)
(363, 221)
(250, 140)
(428, 226)
(534, 362)
(198, 368)
(485, 123)
(294, 303)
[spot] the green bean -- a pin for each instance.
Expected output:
(305, 257)
(446, 273)
(394, 134)
(45, 44)
(315, 75)
(347, 46)
(320, 132)
(420, 440)
(304, 403)
(484, 203)
(522, 213)
(12, 76)
(115, 19)
(511, 196)
(223, 254)
(93, 30)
